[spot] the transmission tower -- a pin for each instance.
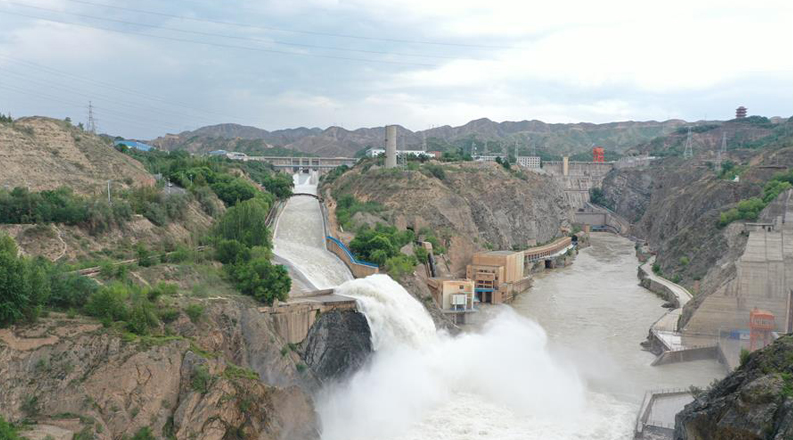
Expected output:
(689, 152)
(91, 127)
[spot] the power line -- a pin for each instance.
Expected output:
(296, 31)
(51, 70)
(121, 117)
(129, 104)
(235, 37)
(222, 45)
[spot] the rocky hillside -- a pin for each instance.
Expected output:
(43, 153)
(554, 139)
(676, 204)
(223, 376)
(753, 403)
(470, 206)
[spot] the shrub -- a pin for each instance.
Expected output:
(144, 434)
(656, 268)
(144, 256)
(422, 255)
(8, 431)
(201, 380)
(684, 261)
(71, 290)
(168, 315)
(400, 265)
(195, 312)
(231, 251)
(435, 171)
(30, 406)
(142, 317)
(108, 303)
(744, 356)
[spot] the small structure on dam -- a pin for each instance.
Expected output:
(497, 275)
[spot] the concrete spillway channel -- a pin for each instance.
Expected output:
(299, 244)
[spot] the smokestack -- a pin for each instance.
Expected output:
(390, 146)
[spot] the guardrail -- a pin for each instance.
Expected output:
(358, 268)
(349, 254)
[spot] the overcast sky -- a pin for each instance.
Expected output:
(419, 63)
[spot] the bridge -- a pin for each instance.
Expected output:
(301, 164)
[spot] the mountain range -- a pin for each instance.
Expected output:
(481, 134)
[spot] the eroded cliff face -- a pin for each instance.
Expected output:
(223, 377)
(472, 205)
(338, 344)
(753, 403)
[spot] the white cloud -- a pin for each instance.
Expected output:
(555, 61)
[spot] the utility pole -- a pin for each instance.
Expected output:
(91, 127)
(108, 192)
(688, 153)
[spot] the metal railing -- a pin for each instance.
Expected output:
(349, 254)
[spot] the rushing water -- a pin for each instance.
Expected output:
(299, 238)
(562, 363)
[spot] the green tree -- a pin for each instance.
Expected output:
(231, 251)
(263, 280)
(245, 222)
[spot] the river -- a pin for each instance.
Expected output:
(562, 362)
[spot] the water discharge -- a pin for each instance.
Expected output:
(300, 238)
(508, 379)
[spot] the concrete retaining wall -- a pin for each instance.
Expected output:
(293, 321)
(657, 288)
(359, 269)
(687, 354)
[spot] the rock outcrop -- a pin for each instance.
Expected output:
(338, 344)
(753, 403)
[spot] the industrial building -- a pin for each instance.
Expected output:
(455, 297)
(532, 162)
(497, 275)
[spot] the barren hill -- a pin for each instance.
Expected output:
(43, 153)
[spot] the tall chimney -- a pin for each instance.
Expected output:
(390, 146)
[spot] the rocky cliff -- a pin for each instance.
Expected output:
(227, 376)
(753, 403)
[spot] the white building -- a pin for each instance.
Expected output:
(486, 158)
(529, 161)
(375, 152)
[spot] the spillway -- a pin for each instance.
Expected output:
(299, 238)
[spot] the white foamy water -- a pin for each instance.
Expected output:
(299, 238)
(507, 379)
